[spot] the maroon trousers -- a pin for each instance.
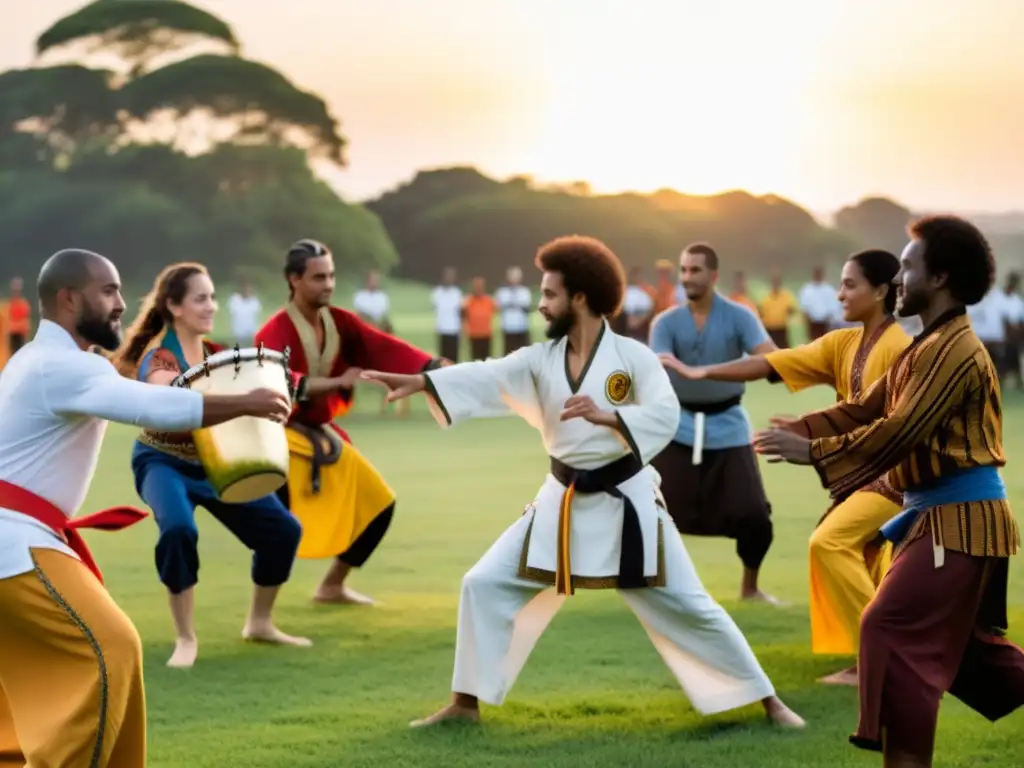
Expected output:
(927, 632)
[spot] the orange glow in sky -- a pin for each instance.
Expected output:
(821, 101)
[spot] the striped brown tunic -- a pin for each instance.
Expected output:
(936, 411)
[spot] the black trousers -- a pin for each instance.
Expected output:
(721, 496)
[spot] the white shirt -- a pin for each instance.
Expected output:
(1014, 308)
(818, 301)
(245, 315)
(514, 302)
(56, 401)
(989, 316)
(447, 301)
(373, 304)
(637, 301)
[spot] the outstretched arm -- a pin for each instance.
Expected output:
(91, 386)
(480, 389)
(750, 368)
(844, 417)
(851, 460)
(790, 439)
(369, 348)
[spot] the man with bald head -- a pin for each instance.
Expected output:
(71, 691)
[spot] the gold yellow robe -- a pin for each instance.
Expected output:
(845, 566)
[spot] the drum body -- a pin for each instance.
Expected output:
(245, 458)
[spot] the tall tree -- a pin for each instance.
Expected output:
(256, 104)
(137, 31)
(84, 163)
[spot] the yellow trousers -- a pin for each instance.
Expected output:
(71, 689)
(352, 494)
(846, 570)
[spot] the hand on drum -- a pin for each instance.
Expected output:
(268, 404)
(399, 385)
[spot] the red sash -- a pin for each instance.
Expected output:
(27, 503)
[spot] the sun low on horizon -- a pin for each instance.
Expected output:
(821, 101)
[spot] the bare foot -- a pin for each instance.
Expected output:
(843, 677)
(268, 633)
(341, 596)
(185, 652)
(781, 715)
(759, 596)
(451, 712)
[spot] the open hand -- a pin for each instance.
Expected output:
(792, 424)
(399, 385)
(673, 363)
(582, 407)
(782, 445)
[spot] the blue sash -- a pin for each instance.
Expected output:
(967, 485)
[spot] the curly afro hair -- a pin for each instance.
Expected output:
(589, 267)
(956, 248)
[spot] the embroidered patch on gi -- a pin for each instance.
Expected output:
(618, 387)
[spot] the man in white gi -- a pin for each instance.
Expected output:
(71, 691)
(605, 407)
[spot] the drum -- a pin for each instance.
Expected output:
(245, 458)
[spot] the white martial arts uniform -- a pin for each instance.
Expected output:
(507, 600)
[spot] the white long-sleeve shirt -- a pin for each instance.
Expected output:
(55, 402)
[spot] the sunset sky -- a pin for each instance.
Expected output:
(822, 101)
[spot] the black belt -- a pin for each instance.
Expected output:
(601, 480)
(711, 409)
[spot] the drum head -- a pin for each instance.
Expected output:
(253, 487)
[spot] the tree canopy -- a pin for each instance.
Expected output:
(88, 160)
(137, 31)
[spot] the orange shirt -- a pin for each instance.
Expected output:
(479, 316)
(742, 298)
(19, 316)
(664, 296)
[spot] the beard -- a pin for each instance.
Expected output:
(99, 330)
(910, 304)
(695, 292)
(560, 325)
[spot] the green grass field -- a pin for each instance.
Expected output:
(594, 693)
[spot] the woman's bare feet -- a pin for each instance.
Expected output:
(463, 707)
(842, 677)
(268, 633)
(781, 715)
(185, 652)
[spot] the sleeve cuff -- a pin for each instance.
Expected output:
(773, 376)
(198, 408)
(816, 463)
(431, 390)
(628, 436)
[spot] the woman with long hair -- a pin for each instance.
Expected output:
(846, 564)
(167, 338)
